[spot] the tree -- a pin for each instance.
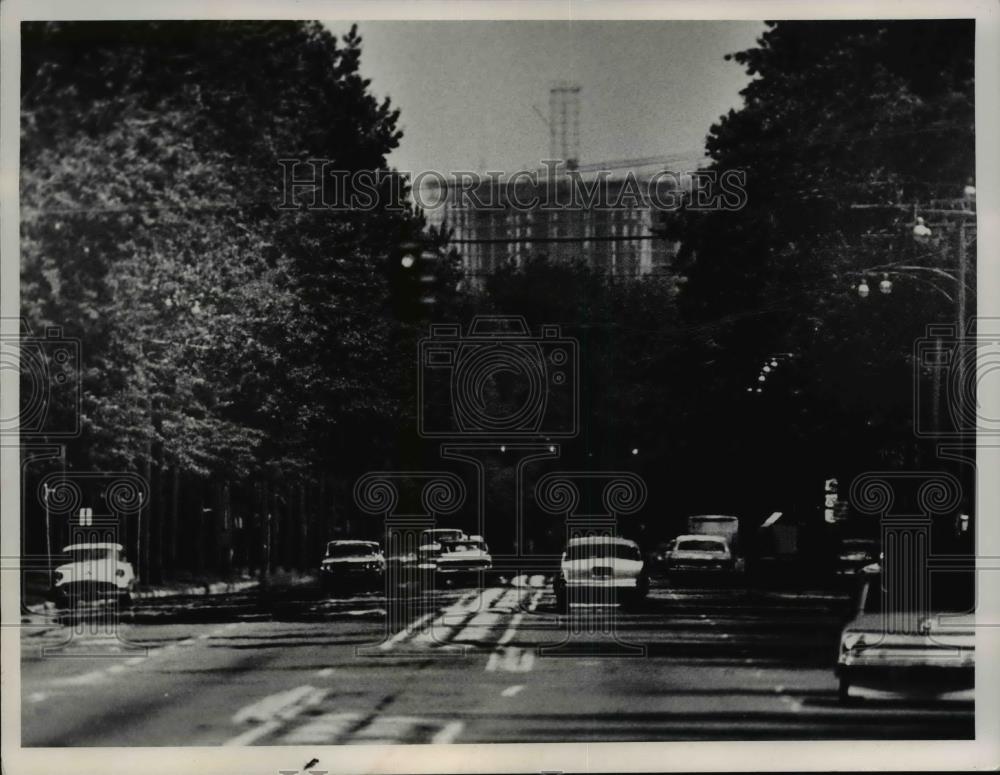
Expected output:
(224, 337)
(838, 114)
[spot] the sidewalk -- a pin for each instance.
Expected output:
(187, 587)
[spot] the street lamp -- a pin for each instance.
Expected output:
(921, 232)
(885, 287)
(863, 289)
(407, 261)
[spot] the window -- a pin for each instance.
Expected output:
(701, 546)
(351, 550)
(602, 551)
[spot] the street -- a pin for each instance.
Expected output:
(490, 665)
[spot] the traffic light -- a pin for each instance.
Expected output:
(416, 280)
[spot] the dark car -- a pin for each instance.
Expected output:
(855, 554)
(351, 564)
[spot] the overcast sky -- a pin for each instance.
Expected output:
(466, 89)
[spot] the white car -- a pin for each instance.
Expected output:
(601, 569)
(699, 553)
(463, 557)
(351, 563)
(95, 571)
(933, 657)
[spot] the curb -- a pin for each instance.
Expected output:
(217, 588)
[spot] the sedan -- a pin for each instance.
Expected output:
(926, 654)
(699, 554)
(601, 569)
(351, 564)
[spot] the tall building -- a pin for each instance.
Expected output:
(610, 223)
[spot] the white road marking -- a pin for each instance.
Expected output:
(273, 711)
(406, 632)
(448, 733)
(511, 691)
(116, 669)
(270, 706)
(251, 735)
(37, 696)
(325, 672)
(85, 679)
(324, 730)
(512, 659)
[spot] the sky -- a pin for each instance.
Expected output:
(466, 89)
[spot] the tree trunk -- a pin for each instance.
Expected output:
(170, 538)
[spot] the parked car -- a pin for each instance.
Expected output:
(351, 564)
(699, 554)
(95, 571)
(601, 569)
(933, 654)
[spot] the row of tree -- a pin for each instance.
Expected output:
(251, 360)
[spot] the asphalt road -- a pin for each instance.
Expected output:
(498, 664)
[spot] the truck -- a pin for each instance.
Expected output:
(717, 525)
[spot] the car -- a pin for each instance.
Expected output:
(594, 566)
(351, 564)
(934, 657)
(95, 571)
(855, 554)
(695, 553)
(434, 535)
(462, 558)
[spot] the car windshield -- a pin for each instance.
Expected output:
(91, 555)
(457, 547)
(351, 550)
(602, 551)
(441, 535)
(697, 545)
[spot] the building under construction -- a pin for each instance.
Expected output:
(598, 213)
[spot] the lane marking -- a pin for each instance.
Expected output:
(326, 671)
(406, 632)
(448, 733)
(251, 735)
(324, 730)
(37, 696)
(512, 691)
(270, 706)
(511, 659)
(274, 711)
